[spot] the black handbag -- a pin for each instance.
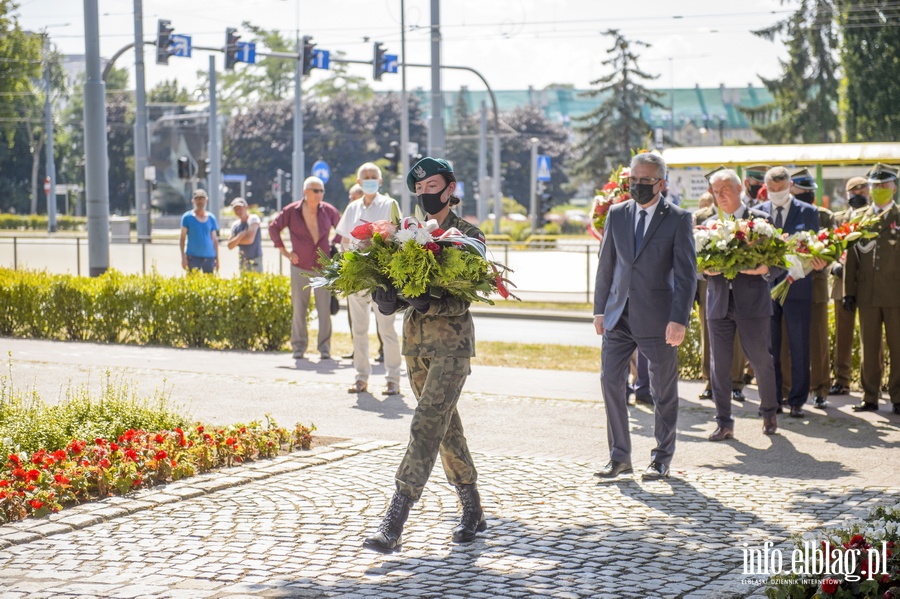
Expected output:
(335, 304)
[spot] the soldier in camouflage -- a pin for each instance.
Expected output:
(438, 342)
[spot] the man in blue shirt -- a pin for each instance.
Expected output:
(201, 232)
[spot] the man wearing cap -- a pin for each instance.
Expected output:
(754, 177)
(646, 279)
(199, 241)
(309, 222)
(246, 236)
(438, 342)
(803, 187)
(791, 216)
(872, 285)
(844, 320)
(371, 207)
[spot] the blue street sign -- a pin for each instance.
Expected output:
(543, 167)
(390, 63)
(246, 52)
(180, 45)
(321, 59)
(321, 170)
(460, 190)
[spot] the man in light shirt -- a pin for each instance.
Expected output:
(371, 207)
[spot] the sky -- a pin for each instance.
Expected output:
(513, 43)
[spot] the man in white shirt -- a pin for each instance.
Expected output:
(371, 207)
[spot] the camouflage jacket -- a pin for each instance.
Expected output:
(446, 329)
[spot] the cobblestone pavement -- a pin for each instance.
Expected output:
(293, 527)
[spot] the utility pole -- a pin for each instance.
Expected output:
(214, 157)
(483, 192)
(404, 115)
(96, 169)
(298, 158)
(533, 204)
(141, 145)
(48, 134)
(436, 138)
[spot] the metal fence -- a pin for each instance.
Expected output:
(552, 270)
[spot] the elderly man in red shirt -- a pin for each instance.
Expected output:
(309, 223)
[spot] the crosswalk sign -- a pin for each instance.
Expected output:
(543, 167)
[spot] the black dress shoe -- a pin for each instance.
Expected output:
(655, 470)
(737, 395)
(865, 406)
(747, 379)
(644, 399)
(706, 394)
(820, 402)
(614, 469)
(780, 409)
(379, 358)
(770, 425)
(838, 390)
(797, 412)
(897, 408)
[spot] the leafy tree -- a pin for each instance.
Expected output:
(168, 92)
(608, 133)
(462, 146)
(553, 140)
(804, 109)
(870, 56)
(340, 81)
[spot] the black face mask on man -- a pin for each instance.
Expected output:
(431, 202)
(642, 193)
(807, 196)
(753, 190)
(857, 201)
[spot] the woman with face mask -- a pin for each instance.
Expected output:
(438, 342)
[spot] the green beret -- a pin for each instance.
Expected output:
(427, 167)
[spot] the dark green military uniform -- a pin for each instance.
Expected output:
(872, 276)
(438, 346)
(844, 322)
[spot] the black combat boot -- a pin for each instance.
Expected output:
(472, 520)
(387, 539)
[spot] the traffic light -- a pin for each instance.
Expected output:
(163, 41)
(308, 54)
(378, 63)
(231, 48)
(393, 157)
(546, 203)
(184, 168)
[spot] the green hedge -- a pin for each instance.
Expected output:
(38, 222)
(248, 312)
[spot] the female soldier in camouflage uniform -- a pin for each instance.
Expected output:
(438, 342)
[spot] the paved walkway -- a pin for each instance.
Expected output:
(292, 527)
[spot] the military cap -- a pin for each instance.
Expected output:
(881, 173)
(804, 180)
(756, 171)
(855, 182)
(427, 167)
(709, 175)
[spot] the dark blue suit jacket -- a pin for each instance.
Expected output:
(800, 217)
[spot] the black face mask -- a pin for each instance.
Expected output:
(431, 202)
(643, 194)
(858, 201)
(752, 190)
(808, 196)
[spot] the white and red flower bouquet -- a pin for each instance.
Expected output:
(614, 192)
(828, 245)
(731, 246)
(414, 257)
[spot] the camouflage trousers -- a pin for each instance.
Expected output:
(436, 427)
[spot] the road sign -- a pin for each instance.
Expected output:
(180, 45)
(390, 63)
(247, 52)
(321, 59)
(460, 190)
(321, 170)
(543, 167)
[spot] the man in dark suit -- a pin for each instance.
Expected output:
(743, 304)
(792, 216)
(646, 278)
